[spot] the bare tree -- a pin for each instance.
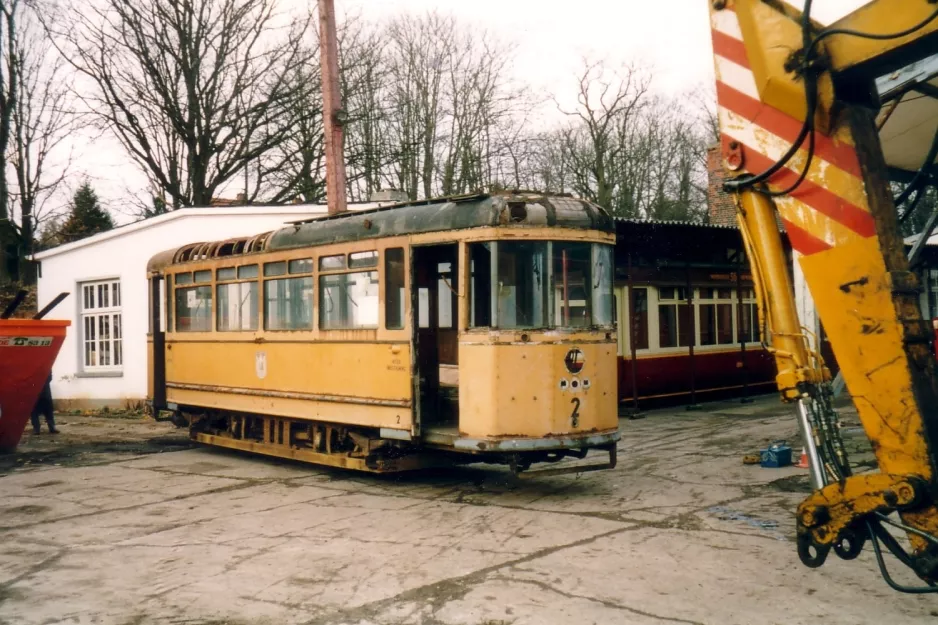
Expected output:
(34, 124)
(43, 122)
(606, 100)
(8, 91)
(195, 90)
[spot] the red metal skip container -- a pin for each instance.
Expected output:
(28, 348)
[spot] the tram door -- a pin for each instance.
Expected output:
(435, 301)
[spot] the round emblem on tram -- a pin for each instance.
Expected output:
(574, 360)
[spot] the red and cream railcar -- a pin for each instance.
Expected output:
(688, 325)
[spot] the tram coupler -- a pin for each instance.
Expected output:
(569, 468)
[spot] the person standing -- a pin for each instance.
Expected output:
(44, 407)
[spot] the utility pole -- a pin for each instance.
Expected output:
(334, 116)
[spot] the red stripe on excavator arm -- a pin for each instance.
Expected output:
(841, 155)
(802, 241)
(730, 48)
(815, 196)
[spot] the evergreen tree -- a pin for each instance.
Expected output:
(86, 217)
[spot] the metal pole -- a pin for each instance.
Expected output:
(739, 327)
(818, 477)
(690, 339)
(332, 113)
(632, 348)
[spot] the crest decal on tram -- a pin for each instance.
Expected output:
(574, 360)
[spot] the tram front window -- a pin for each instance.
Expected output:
(521, 289)
(539, 284)
(571, 284)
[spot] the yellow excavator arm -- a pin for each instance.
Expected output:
(797, 108)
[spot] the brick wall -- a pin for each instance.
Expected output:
(721, 208)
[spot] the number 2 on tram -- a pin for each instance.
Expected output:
(472, 329)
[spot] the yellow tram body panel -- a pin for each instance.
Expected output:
(365, 384)
(525, 390)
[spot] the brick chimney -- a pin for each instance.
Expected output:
(720, 205)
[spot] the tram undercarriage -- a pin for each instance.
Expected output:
(361, 449)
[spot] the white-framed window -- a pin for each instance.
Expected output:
(101, 327)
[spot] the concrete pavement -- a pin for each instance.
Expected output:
(680, 532)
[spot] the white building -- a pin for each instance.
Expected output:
(103, 361)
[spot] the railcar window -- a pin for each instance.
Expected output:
(640, 318)
(275, 269)
(331, 263)
(194, 309)
(203, 276)
(674, 318)
(288, 303)
(168, 299)
(748, 323)
(603, 301)
(183, 278)
(480, 286)
(522, 284)
(362, 260)
(394, 288)
(571, 284)
(226, 273)
(445, 296)
(247, 272)
(348, 300)
(301, 265)
(715, 316)
(237, 307)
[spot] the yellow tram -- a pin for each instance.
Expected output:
(470, 329)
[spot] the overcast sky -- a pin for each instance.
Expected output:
(551, 38)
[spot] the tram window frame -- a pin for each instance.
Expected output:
(299, 266)
(563, 304)
(363, 260)
(329, 282)
(602, 279)
(248, 272)
(480, 284)
(275, 269)
(395, 276)
(198, 292)
(249, 299)
(296, 311)
(169, 302)
(333, 262)
(529, 301)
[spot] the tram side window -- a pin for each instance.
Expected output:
(348, 300)
(674, 320)
(237, 306)
(394, 288)
(572, 284)
(603, 301)
(480, 287)
(288, 303)
(193, 309)
(640, 317)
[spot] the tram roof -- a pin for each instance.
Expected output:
(510, 210)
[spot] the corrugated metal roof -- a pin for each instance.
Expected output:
(664, 222)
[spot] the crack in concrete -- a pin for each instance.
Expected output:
(443, 591)
(211, 491)
(604, 602)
